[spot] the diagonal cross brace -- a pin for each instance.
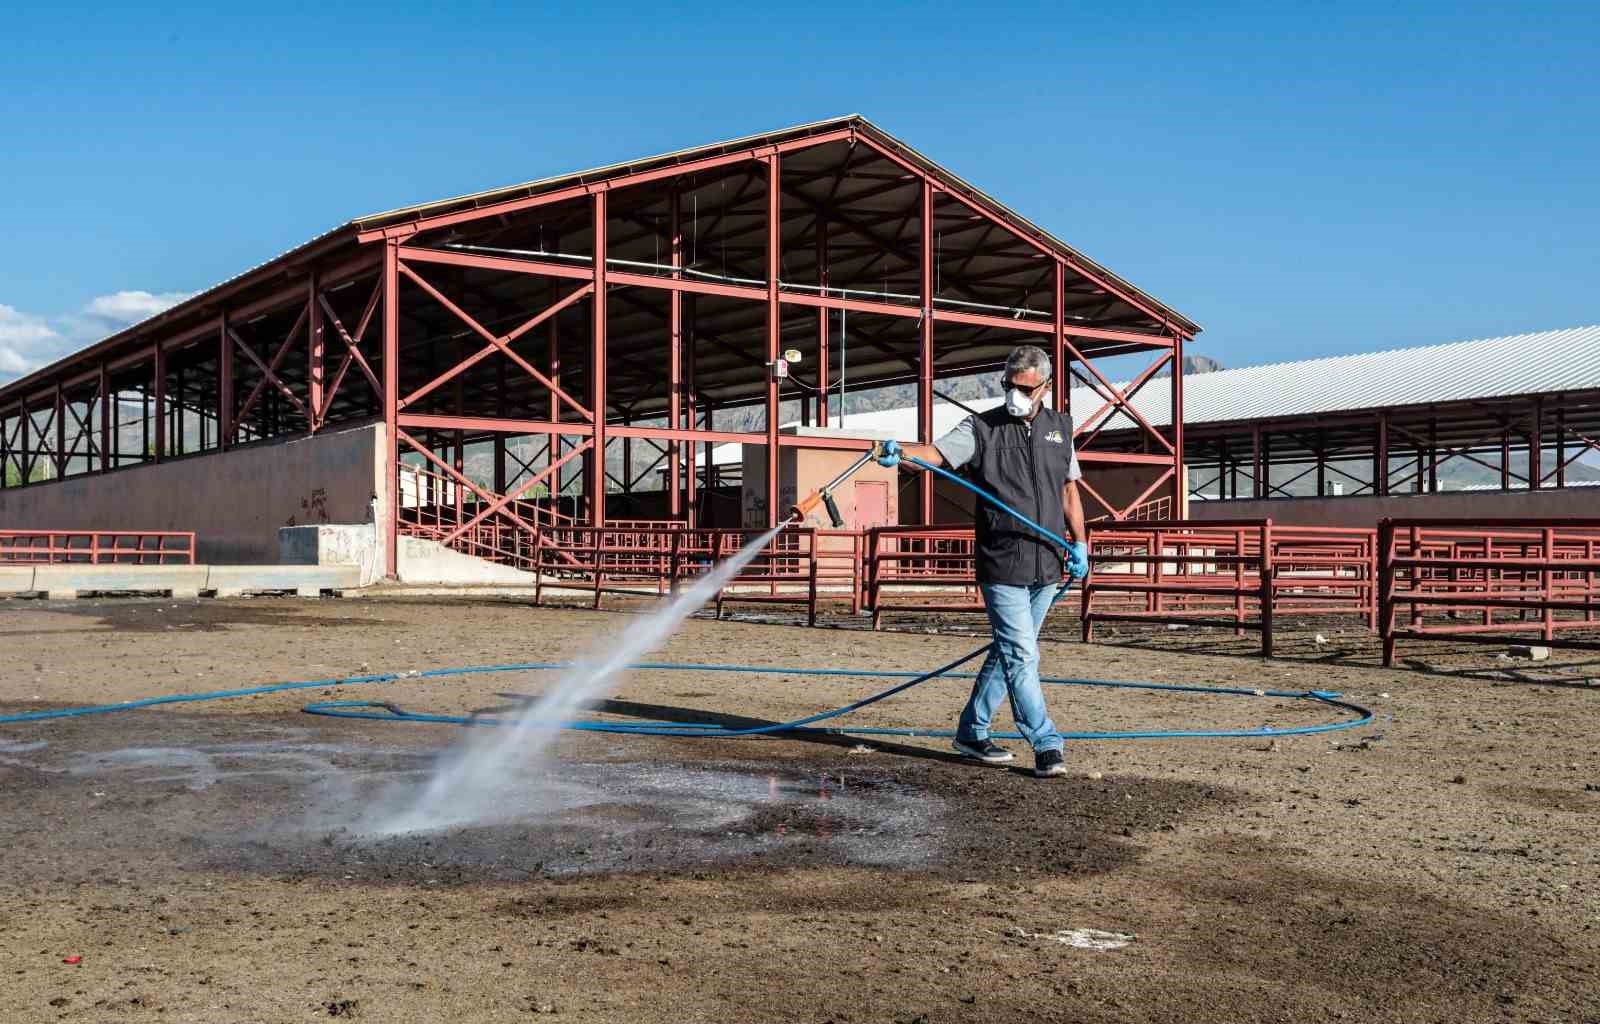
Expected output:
(43, 437)
(270, 372)
(498, 342)
(1118, 398)
(84, 433)
(1123, 399)
(353, 344)
(496, 503)
(460, 479)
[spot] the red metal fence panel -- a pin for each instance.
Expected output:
(1485, 581)
(840, 567)
(790, 569)
(1236, 574)
(920, 569)
(96, 547)
(1233, 574)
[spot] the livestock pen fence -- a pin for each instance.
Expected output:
(1169, 572)
(1409, 579)
(799, 566)
(1233, 574)
(1489, 581)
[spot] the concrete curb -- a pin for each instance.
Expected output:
(66, 581)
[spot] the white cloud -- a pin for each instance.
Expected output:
(29, 341)
(131, 307)
(25, 341)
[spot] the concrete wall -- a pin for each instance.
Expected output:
(1365, 511)
(234, 501)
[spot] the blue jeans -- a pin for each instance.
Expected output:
(1012, 667)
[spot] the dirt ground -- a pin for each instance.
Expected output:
(208, 862)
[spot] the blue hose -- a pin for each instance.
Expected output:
(387, 712)
(354, 709)
(1049, 535)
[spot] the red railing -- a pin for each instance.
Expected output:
(96, 547)
(791, 569)
(785, 572)
(1513, 576)
(920, 569)
(1235, 574)
(840, 556)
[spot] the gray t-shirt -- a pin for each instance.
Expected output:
(961, 444)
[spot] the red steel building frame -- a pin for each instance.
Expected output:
(534, 313)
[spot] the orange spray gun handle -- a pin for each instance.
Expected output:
(824, 494)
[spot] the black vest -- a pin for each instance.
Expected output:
(1024, 465)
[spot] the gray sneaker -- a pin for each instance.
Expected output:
(1049, 764)
(985, 750)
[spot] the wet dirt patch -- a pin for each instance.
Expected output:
(282, 798)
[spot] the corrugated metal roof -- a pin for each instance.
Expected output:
(1518, 364)
(601, 173)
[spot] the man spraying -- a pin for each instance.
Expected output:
(1022, 453)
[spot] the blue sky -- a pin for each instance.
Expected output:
(1300, 178)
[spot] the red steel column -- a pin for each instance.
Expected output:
(61, 433)
(1256, 490)
(823, 356)
(1560, 440)
(314, 353)
(1059, 339)
(627, 464)
(391, 405)
(503, 411)
(5, 452)
(224, 385)
(161, 401)
(675, 367)
(1180, 470)
(107, 411)
(691, 410)
(553, 441)
(1505, 455)
(925, 356)
(774, 328)
(1535, 446)
(24, 453)
(1433, 454)
(1380, 461)
(597, 370)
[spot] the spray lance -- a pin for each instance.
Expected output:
(824, 494)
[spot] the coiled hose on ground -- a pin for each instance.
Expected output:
(388, 712)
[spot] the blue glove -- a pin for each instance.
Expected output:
(1077, 560)
(889, 454)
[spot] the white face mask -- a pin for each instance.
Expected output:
(1018, 403)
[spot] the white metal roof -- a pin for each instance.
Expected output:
(1519, 364)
